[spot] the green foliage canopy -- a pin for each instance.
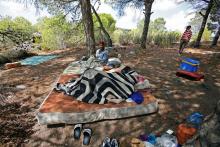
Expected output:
(15, 31)
(107, 20)
(55, 31)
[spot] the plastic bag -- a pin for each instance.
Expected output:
(166, 140)
(196, 119)
(148, 144)
(114, 62)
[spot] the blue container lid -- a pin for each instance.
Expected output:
(193, 61)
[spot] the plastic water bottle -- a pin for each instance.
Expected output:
(119, 56)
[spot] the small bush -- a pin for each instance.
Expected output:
(164, 38)
(3, 59)
(11, 55)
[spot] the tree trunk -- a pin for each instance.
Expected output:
(107, 36)
(88, 25)
(215, 39)
(202, 28)
(147, 14)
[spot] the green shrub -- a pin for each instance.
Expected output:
(164, 38)
(3, 59)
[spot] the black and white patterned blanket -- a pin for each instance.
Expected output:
(100, 87)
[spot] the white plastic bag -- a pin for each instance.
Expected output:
(166, 140)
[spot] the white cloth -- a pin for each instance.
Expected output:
(102, 55)
(143, 85)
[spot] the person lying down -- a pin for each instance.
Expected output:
(100, 87)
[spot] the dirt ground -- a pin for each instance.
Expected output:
(23, 89)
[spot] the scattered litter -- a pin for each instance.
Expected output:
(169, 132)
(132, 52)
(148, 144)
(36, 78)
(129, 100)
(21, 87)
(195, 119)
(166, 140)
(137, 97)
(137, 143)
(12, 65)
(151, 139)
(185, 132)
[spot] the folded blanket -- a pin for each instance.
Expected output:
(100, 87)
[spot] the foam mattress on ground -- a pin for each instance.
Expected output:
(189, 75)
(59, 108)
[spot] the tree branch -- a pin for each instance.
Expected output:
(217, 3)
(201, 14)
(69, 11)
(206, 1)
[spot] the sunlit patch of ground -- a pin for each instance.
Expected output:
(200, 51)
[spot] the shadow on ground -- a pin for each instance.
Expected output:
(177, 97)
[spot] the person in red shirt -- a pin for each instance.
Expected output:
(185, 39)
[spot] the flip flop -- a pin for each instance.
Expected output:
(106, 142)
(87, 136)
(114, 143)
(77, 131)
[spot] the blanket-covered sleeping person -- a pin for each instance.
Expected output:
(100, 87)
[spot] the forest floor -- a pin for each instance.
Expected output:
(23, 89)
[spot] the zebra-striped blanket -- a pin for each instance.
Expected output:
(100, 87)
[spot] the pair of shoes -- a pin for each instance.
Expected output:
(108, 143)
(87, 133)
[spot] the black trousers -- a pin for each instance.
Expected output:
(183, 44)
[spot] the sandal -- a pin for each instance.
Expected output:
(77, 131)
(114, 143)
(106, 142)
(87, 136)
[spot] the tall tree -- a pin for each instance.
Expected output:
(107, 36)
(195, 22)
(120, 5)
(215, 18)
(201, 6)
(88, 25)
(216, 37)
(147, 15)
(78, 10)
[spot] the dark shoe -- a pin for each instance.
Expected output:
(87, 136)
(77, 131)
(106, 142)
(114, 143)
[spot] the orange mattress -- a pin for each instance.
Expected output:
(59, 108)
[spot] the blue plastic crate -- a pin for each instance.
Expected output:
(190, 65)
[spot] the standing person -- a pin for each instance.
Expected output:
(185, 39)
(102, 54)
